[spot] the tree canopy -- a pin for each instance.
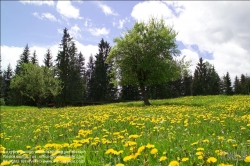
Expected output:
(36, 82)
(144, 55)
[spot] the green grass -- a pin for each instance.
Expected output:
(107, 134)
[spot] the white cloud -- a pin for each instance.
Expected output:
(211, 26)
(98, 31)
(190, 56)
(75, 32)
(144, 10)
(66, 9)
(121, 22)
(48, 16)
(107, 10)
(39, 3)
(86, 50)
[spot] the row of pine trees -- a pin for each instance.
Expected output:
(95, 82)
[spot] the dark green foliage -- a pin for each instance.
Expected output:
(90, 78)
(34, 59)
(236, 86)
(24, 58)
(48, 59)
(70, 70)
(206, 80)
(227, 85)
(129, 92)
(7, 75)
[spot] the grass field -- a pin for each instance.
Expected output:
(208, 130)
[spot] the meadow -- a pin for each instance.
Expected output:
(201, 130)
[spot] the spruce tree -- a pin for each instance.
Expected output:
(227, 84)
(62, 64)
(24, 58)
(34, 59)
(90, 79)
(48, 59)
(236, 86)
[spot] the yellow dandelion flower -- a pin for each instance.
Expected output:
(199, 153)
(200, 149)
(140, 149)
(6, 162)
(247, 159)
(149, 146)
(163, 158)
(195, 143)
(134, 136)
(222, 164)
(119, 164)
(127, 158)
(174, 163)
(200, 157)
(205, 141)
(154, 151)
(40, 152)
(110, 151)
(20, 151)
(28, 147)
(211, 160)
(185, 159)
(55, 153)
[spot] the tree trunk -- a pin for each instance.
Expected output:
(144, 95)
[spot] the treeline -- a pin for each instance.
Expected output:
(66, 81)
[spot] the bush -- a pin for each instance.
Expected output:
(2, 102)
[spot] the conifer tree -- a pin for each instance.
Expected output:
(62, 64)
(227, 84)
(34, 59)
(236, 86)
(48, 59)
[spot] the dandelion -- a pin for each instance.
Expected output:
(195, 143)
(39, 151)
(140, 149)
(247, 159)
(185, 159)
(134, 136)
(119, 164)
(199, 153)
(211, 160)
(222, 164)
(163, 158)
(149, 146)
(28, 147)
(174, 163)
(127, 158)
(200, 157)
(6, 162)
(154, 151)
(200, 149)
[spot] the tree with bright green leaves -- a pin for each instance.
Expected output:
(36, 82)
(144, 55)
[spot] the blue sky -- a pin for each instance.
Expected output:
(206, 29)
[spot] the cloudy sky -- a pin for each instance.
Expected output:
(216, 31)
